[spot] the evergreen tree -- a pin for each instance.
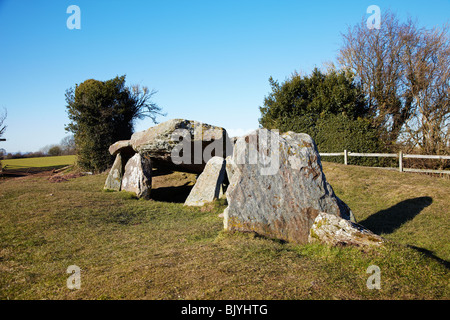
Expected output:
(103, 112)
(329, 107)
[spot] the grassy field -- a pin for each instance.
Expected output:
(41, 162)
(136, 249)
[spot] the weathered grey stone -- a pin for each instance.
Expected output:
(114, 179)
(333, 230)
(233, 140)
(138, 176)
(277, 186)
(230, 167)
(123, 147)
(161, 141)
(209, 184)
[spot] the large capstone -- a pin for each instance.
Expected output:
(138, 176)
(209, 184)
(123, 147)
(277, 187)
(177, 144)
(182, 145)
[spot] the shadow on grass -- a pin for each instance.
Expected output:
(17, 171)
(388, 220)
(172, 194)
(431, 255)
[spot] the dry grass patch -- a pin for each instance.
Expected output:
(159, 249)
(409, 208)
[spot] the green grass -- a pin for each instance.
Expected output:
(136, 249)
(38, 162)
(409, 208)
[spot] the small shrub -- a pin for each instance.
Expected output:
(55, 151)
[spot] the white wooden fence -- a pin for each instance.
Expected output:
(399, 155)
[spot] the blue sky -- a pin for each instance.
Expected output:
(209, 60)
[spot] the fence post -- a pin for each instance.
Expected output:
(400, 161)
(345, 157)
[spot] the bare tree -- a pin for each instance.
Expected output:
(404, 72)
(68, 145)
(427, 65)
(2, 131)
(143, 105)
(2, 125)
(374, 56)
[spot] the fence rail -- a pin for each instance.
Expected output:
(399, 155)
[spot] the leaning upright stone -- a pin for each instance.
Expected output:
(277, 187)
(138, 176)
(114, 179)
(209, 184)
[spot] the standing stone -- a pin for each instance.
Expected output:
(230, 167)
(114, 179)
(209, 184)
(138, 176)
(278, 188)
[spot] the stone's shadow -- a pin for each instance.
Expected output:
(431, 255)
(177, 194)
(18, 171)
(388, 220)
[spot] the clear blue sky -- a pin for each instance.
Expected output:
(209, 60)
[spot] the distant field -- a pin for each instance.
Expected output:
(43, 162)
